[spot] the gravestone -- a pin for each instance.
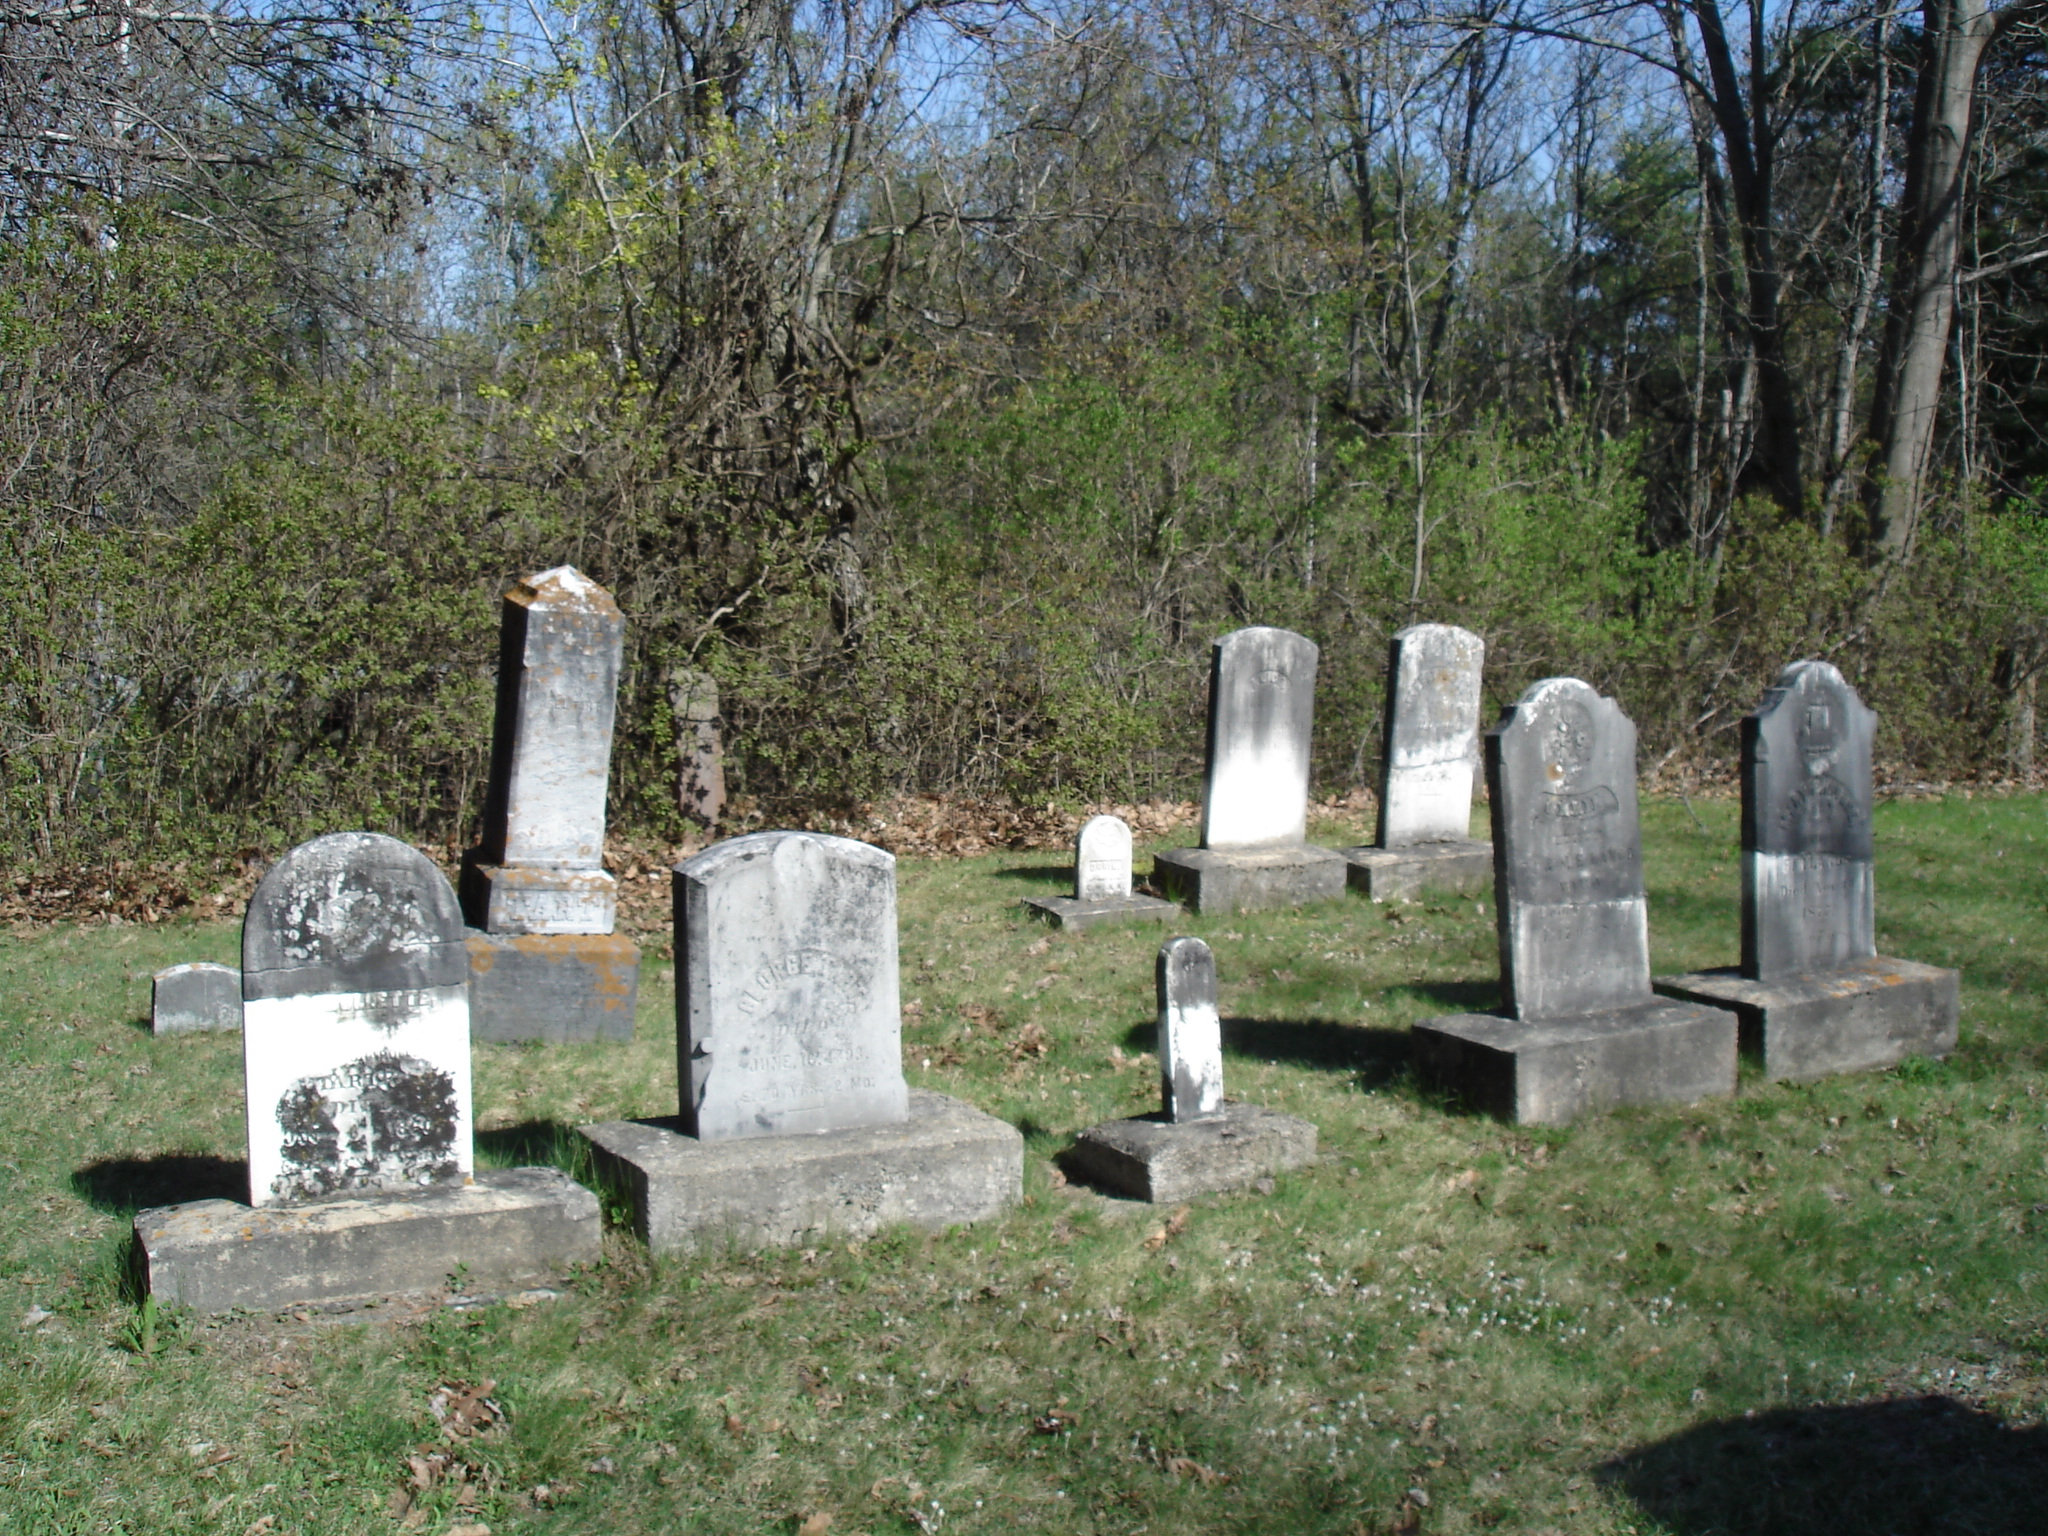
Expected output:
(1198, 1143)
(1254, 851)
(197, 996)
(545, 963)
(1430, 758)
(356, 1072)
(1580, 1028)
(1102, 882)
(1813, 994)
(700, 783)
(795, 1118)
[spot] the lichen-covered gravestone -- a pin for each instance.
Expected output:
(1813, 994)
(1581, 1030)
(545, 962)
(356, 1070)
(1198, 1143)
(1102, 882)
(795, 1118)
(1254, 852)
(700, 781)
(197, 996)
(1430, 758)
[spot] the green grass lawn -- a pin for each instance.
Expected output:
(1816, 1309)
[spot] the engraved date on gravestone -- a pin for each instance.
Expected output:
(379, 1120)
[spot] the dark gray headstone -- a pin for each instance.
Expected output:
(1568, 859)
(1190, 1031)
(700, 786)
(788, 1016)
(355, 1006)
(1432, 735)
(539, 867)
(1262, 691)
(1808, 893)
(196, 996)
(1102, 860)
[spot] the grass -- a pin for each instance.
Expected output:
(1812, 1309)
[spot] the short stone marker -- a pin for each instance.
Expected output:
(795, 1118)
(700, 781)
(355, 1006)
(1581, 1030)
(1813, 994)
(1430, 759)
(1102, 882)
(197, 996)
(1198, 1143)
(545, 963)
(1254, 852)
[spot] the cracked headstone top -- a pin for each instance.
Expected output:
(788, 1015)
(1262, 690)
(1808, 893)
(355, 1053)
(1574, 929)
(1432, 735)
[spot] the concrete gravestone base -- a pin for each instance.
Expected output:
(553, 986)
(1248, 879)
(1102, 882)
(945, 1165)
(510, 1225)
(1406, 874)
(1862, 1017)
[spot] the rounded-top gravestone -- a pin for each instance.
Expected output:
(355, 1023)
(1102, 859)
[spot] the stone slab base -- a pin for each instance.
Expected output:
(1164, 1161)
(1069, 912)
(553, 986)
(1403, 874)
(512, 1224)
(1250, 880)
(1553, 1072)
(948, 1163)
(1864, 1016)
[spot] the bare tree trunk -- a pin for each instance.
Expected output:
(1869, 278)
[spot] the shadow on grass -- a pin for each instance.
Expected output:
(1058, 878)
(122, 1186)
(1893, 1467)
(532, 1144)
(1453, 996)
(1378, 1056)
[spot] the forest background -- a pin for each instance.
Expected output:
(942, 376)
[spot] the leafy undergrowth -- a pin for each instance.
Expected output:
(1808, 1309)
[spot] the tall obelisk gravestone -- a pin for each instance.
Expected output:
(1580, 1028)
(1431, 758)
(1813, 994)
(545, 963)
(1198, 1142)
(795, 1117)
(1102, 882)
(355, 1044)
(1255, 851)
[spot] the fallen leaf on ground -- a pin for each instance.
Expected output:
(1176, 1224)
(816, 1524)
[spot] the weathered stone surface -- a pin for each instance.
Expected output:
(943, 1164)
(1432, 735)
(1407, 874)
(700, 785)
(355, 1037)
(1068, 912)
(1262, 690)
(1574, 928)
(788, 1016)
(1808, 894)
(1250, 880)
(1190, 1031)
(1102, 859)
(1859, 1017)
(510, 1225)
(196, 996)
(560, 645)
(1552, 1072)
(1163, 1161)
(555, 987)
